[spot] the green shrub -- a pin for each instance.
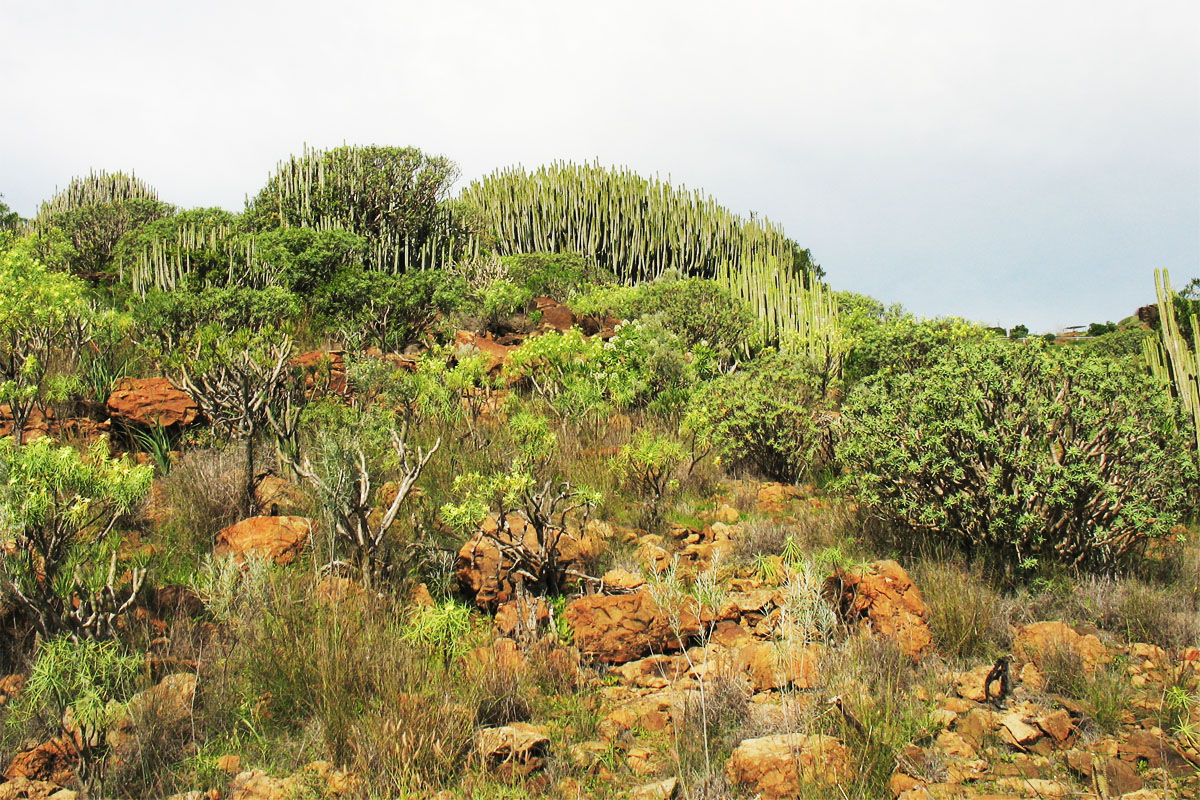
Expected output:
(391, 196)
(304, 260)
(199, 247)
(89, 679)
(553, 275)
(166, 319)
(1020, 453)
(648, 465)
(699, 311)
(895, 342)
(768, 417)
(59, 507)
(44, 317)
(390, 311)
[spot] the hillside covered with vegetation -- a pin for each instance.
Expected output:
(573, 484)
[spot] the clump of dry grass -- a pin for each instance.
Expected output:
(970, 619)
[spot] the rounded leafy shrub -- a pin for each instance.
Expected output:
(1020, 453)
(699, 311)
(771, 417)
(553, 275)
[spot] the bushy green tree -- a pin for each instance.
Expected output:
(390, 311)
(554, 275)
(87, 682)
(549, 507)
(42, 314)
(193, 250)
(10, 220)
(95, 212)
(59, 508)
(902, 343)
(304, 260)
(239, 380)
(771, 416)
(648, 465)
(1020, 453)
(699, 311)
(392, 196)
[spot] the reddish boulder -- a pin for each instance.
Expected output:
(515, 750)
(555, 316)
(884, 600)
(324, 372)
(277, 538)
(51, 761)
(484, 572)
(1042, 640)
(778, 767)
(625, 627)
(468, 344)
(151, 403)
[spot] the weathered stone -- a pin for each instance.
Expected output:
(621, 628)
(158, 713)
(663, 790)
(1017, 731)
(484, 571)
(21, 788)
(515, 750)
(777, 767)
(278, 538)
(771, 667)
(1057, 723)
(52, 761)
(1041, 640)
(151, 403)
(1120, 777)
(884, 600)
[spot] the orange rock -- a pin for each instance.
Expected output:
(884, 600)
(151, 403)
(468, 344)
(776, 767)
(1038, 641)
(279, 538)
(515, 750)
(325, 371)
(484, 572)
(625, 627)
(51, 761)
(771, 667)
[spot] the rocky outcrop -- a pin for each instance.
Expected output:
(1042, 641)
(159, 713)
(883, 599)
(278, 538)
(26, 789)
(779, 767)
(151, 403)
(485, 573)
(468, 344)
(52, 761)
(515, 750)
(324, 371)
(620, 628)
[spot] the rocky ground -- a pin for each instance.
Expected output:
(802, 701)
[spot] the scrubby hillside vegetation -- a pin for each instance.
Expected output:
(577, 485)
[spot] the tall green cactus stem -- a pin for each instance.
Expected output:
(639, 228)
(1170, 356)
(98, 188)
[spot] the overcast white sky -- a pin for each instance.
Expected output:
(1008, 162)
